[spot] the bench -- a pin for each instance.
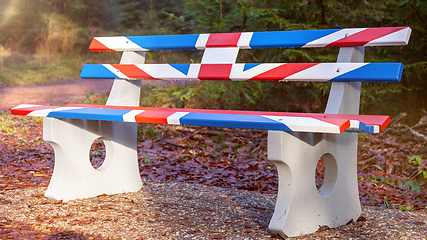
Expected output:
(296, 141)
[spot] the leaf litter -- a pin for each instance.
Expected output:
(391, 169)
(391, 166)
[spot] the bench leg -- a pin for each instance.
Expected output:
(73, 176)
(300, 207)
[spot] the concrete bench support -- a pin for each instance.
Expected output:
(73, 176)
(303, 209)
(300, 207)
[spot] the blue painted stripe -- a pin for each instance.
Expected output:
(373, 72)
(232, 121)
(368, 129)
(181, 67)
(194, 119)
(250, 65)
(287, 39)
(166, 42)
(96, 71)
(362, 128)
(91, 114)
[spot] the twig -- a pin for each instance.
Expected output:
(417, 172)
(369, 160)
(416, 133)
(421, 123)
(173, 144)
(393, 122)
(255, 149)
(396, 119)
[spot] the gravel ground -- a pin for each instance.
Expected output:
(184, 211)
(164, 210)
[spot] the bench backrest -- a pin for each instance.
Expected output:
(220, 53)
(350, 37)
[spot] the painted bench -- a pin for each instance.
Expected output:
(296, 141)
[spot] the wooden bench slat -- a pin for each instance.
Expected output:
(381, 121)
(348, 37)
(300, 122)
(322, 72)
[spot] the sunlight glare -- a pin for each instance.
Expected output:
(11, 10)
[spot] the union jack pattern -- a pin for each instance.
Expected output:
(348, 37)
(219, 63)
(300, 122)
(322, 72)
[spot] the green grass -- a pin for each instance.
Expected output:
(17, 125)
(20, 69)
(25, 69)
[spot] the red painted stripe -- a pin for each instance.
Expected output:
(132, 71)
(159, 115)
(363, 37)
(28, 110)
(385, 123)
(343, 123)
(215, 71)
(96, 46)
(223, 40)
(283, 71)
(154, 117)
(381, 121)
(338, 119)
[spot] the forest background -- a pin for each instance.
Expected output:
(45, 41)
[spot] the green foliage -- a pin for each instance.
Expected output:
(21, 69)
(3, 79)
(414, 56)
(395, 206)
(387, 181)
(94, 99)
(147, 16)
(262, 96)
(418, 162)
(245, 15)
(64, 25)
(146, 131)
(411, 185)
(12, 125)
(55, 32)
(415, 187)
(363, 137)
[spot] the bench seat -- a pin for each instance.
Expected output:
(298, 122)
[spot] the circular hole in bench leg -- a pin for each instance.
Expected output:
(326, 174)
(97, 153)
(320, 173)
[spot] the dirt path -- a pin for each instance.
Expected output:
(59, 93)
(56, 93)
